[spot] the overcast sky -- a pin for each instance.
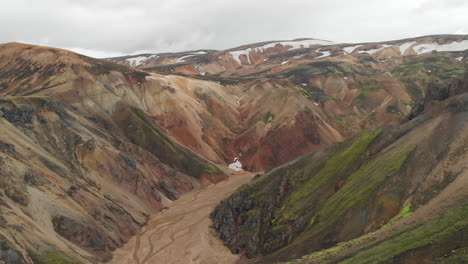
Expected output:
(103, 28)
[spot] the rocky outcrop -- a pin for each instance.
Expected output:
(85, 236)
(9, 255)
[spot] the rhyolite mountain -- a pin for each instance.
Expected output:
(297, 96)
(396, 194)
(90, 148)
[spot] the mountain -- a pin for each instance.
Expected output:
(396, 194)
(318, 92)
(265, 57)
(82, 165)
(89, 148)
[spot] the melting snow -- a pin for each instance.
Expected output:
(324, 54)
(284, 62)
(298, 44)
(453, 46)
(236, 54)
(292, 44)
(237, 165)
(304, 84)
(351, 48)
(135, 61)
(404, 47)
(459, 58)
(191, 54)
(182, 59)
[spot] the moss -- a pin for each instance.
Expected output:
(154, 140)
(267, 117)
(315, 68)
(433, 236)
(353, 197)
(439, 65)
(254, 213)
(436, 235)
(313, 220)
(459, 256)
(336, 165)
(315, 94)
(53, 257)
(413, 89)
(361, 97)
(361, 185)
(393, 108)
(371, 87)
(405, 212)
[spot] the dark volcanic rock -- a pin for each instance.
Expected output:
(83, 235)
(17, 196)
(415, 111)
(21, 116)
(9, 255)
(7, 148)
(128, 160)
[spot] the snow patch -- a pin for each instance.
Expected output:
(182, 59)
(304, 84)
(191, 54)
(459, 58)
(298, 44)
(453, 46)
(324, 54)
(284, 62)
(237, 165)
(405, 46)
(350, 49)
(290, 44)
(136, 61)
(236, 55)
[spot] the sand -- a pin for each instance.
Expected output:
(182, 233)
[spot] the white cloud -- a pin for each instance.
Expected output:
(101, 27)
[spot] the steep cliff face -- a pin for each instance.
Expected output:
(373, 197)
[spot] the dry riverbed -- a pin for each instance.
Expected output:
(182, 233)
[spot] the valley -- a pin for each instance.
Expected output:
(181, 233)
(359, 152)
